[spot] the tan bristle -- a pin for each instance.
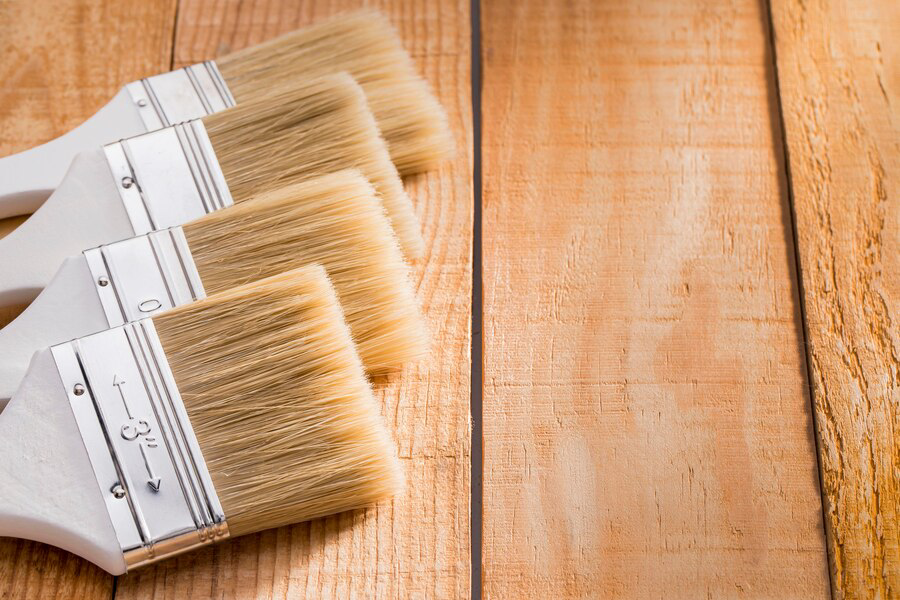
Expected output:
(300, 132)
(278, 400)
(364, 44)
(336, 221)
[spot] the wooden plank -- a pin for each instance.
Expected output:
(647, 430)
(418, 545)
(839, 76)
(59, 64)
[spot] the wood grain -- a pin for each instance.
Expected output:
(62, 61)
(839, 76)
(59, 63)
(418, 545)
(647, 430)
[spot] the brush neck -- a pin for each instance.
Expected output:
(85, 211)
(29, 177)
(103, 287)
(69, 307)
(48, 490)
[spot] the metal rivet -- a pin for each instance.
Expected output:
(127, 182)
(142, 102)
(78, 390)
(103, 281)
(118, 491)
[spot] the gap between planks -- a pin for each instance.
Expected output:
(781, 140)
(477, 344)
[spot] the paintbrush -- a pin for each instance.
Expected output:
(245, 411)
(362, 43)
(335, 220)
(174, 175)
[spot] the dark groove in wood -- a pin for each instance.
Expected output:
(785, 164)
(477, 345)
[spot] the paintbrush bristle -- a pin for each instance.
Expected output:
(337, 221)
(277, 397)
(364, 44)
(305, 131)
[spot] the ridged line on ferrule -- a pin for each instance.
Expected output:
(196, 486)
(196, 147)
(216, 76)
(155, 103)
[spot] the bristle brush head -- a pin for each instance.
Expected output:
(364, 44)
(304, 131)
(334, 220)
(278, 401)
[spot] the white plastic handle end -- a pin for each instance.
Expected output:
(48, 491)
(29, 177)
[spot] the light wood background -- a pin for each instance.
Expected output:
(669, 410)
(647, 427)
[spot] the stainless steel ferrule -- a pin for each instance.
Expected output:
(147, 462)
(140, 276)
(168, 177)
(181, 95)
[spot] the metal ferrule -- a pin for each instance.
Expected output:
(146, 459)
(177, 96)
(140, 276)
(168, 177)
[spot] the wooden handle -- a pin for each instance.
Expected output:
(48, 491)
(28, 178)
(84, 212)
(69, 307)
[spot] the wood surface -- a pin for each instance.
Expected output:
(839, 76)
(647, 429)
(59, 63)
(418, 545)
(64, 60)
(647, 426)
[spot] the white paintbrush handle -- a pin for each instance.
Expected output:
(48, 490)
(84, 212)
(69, 307)
(29, 177)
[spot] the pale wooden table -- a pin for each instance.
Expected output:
(668, 409)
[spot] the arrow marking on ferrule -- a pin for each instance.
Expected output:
(118, 383)
(153, 481)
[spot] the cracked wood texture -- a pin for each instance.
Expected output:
(59, 63)
(647, 428)
(839, 76)
(418, 545)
